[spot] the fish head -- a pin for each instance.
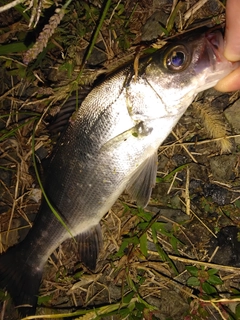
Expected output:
(182, 69)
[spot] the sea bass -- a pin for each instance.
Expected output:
(109, 146)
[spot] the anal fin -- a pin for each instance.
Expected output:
(90, 243)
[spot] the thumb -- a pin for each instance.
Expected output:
(232, 38)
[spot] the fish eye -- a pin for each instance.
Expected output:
(176, 59)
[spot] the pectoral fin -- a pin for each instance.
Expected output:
(90, 243)
(139, 131)
(141, 184)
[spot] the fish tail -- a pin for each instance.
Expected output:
(20, 279)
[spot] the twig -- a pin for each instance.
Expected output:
(194, 9)
(187, 197)
(10, 5)
(195, 215)
(184, 147)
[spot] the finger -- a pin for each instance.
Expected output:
(230, 83)
(232, 49)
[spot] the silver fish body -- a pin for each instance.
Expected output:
(111, 145)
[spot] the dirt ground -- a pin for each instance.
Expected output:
(180, 257)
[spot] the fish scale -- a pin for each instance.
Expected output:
(111, 145)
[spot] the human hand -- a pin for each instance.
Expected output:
(232, 46)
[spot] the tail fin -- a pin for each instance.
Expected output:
(20, 279)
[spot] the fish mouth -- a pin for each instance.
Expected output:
(211, 63)
(215, 47)
(210, 52)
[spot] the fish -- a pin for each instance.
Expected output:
(110, 146)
